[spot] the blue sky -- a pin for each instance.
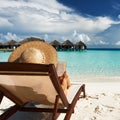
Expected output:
(95, 22)
(94, 8)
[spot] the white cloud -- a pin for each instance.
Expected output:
(119, 16)
(103, 42)
(103, 23)
(49, 16)
(80, 37)
(46, 37)
(51, 19)
(74, 33)
(10, 36)
(33, 16)
(84, 37)
(4, 22)
(111, 35)
(118, 43)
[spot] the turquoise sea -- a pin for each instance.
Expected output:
(92, 65)
(88, 63)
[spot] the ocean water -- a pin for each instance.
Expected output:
(4, 56)
(87, 64)
(91, 64)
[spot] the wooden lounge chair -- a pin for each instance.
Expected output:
(23, 83)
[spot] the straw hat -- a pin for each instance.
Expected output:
(32, 55)
(34, 52)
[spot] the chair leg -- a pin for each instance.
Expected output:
(9, 112)
(55, 107)
(1, 96)
(84, 94)
(72, 105)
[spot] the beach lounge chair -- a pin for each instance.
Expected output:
(23, 83)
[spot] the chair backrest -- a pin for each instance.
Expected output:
(25, 82)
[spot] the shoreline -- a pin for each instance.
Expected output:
(92, 79)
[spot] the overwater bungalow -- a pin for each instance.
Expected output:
(1, 45)
(80, 46)
(12, 44)
(56, 45)
(67, 45)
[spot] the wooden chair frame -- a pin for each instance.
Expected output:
(7, 68)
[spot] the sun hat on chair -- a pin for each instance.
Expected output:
(43, 51)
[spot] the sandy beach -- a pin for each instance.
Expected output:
(102, 103)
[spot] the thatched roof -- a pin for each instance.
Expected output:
(11, 42)
(55, 43)
(31, 39)
(80, 43)
(67, 43)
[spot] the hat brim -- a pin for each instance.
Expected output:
(49, 51)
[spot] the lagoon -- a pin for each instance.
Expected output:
(88, 65)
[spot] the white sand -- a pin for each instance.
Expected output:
(102, 103)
